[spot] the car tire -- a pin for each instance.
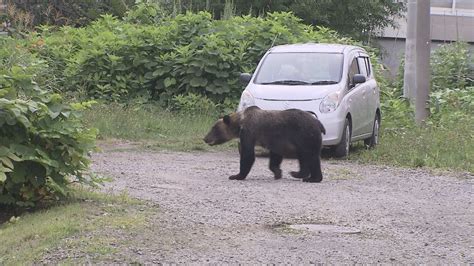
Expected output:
(374, 138)
(341, 150)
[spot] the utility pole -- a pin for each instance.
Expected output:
(422, 65)
(410, 53)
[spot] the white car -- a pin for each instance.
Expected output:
(335, 82)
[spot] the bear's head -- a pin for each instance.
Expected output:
(225, 129)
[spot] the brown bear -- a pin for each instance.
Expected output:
(288, 133)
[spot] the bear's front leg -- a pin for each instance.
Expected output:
(275, 162)
(247, 157)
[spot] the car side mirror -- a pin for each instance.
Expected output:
(358, 78)
(245, 78)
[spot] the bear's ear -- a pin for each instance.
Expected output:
(226, 119)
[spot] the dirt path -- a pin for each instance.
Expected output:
(364, 213)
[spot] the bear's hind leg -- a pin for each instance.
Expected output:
(315, 167)
(304, 161)
(275, 162)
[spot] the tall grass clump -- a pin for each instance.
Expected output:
(154, 126)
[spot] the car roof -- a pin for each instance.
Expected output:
(314, 47)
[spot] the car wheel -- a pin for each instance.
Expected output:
(342, 149)
(374, 139)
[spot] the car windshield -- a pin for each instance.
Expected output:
(300, 69)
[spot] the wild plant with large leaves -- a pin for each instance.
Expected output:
(43, 144)
(191, 53)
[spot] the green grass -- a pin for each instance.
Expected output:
(155, 127)
(26, 239)
(447, 147)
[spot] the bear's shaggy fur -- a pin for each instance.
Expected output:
(288, 133)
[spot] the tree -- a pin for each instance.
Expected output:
(66, 12)
(359, 19)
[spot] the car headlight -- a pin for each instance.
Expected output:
(330, 103)
(246, 100)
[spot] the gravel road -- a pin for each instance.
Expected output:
(358, 214)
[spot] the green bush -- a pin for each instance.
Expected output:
(192, 53)
(147, 12)
(43, 145)
(452, 88)
(450, 67)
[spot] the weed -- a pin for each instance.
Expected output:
(158, 128)
(449, 147)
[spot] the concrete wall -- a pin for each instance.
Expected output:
(447, 24)
(393, 50)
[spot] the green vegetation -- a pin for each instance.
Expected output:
(357, 19)
(26, 239)
(448, 147)
(43, 145)
(115, 60)
(450, 68)
(56, 12)
(154, 127)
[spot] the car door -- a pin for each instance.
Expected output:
(356, 100)
(367, 93)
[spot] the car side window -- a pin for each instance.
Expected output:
(363, 66)
(354, 69)
(369, 67)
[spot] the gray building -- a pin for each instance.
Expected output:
(451, 20)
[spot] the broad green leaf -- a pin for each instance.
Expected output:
(3, 178)
(5, 169)
(169, 82)
(7, 162)
(198, 82)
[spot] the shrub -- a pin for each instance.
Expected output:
(43, 145)
(192, 53)
(450, 67)
(147, 12)
(452, 88)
